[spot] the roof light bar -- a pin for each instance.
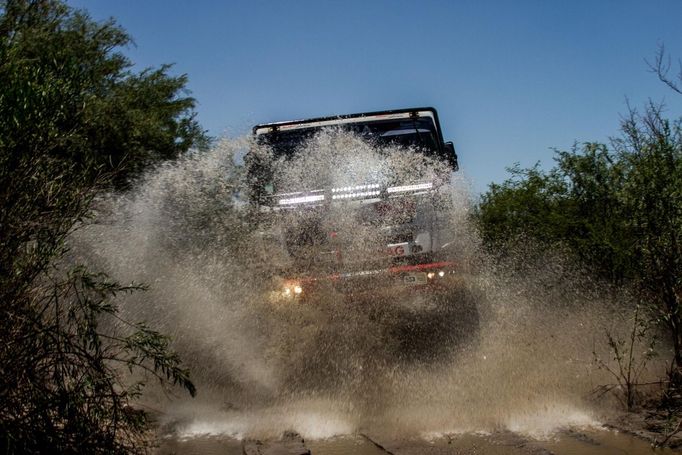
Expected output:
(352, 192)
(354, 195)
(415, 187)
(301, 200)
(334, 121)
(355, 188)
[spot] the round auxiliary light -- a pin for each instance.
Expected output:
(298, 289)
(430, 275)
(441, 274)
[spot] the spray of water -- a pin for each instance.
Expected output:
(518, 358)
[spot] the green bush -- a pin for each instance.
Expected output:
(74, 120)
(616, 207)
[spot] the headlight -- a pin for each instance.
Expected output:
(285, 291)
(292, 290)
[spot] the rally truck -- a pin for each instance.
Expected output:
(386, 238)
(408, 247)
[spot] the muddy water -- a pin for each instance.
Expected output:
(589, 442)
(334, 366)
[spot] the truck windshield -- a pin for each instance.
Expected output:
(419, 133)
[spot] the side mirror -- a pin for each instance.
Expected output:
(451, 155)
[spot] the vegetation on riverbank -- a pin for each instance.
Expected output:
(75, 121)
(617, 209)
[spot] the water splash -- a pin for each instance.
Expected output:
(331, 368)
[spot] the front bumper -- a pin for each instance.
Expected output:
(398, 279)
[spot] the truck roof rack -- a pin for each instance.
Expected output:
(413, 111)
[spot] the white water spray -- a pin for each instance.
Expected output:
(330, 369)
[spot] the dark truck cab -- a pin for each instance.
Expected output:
(409, 243)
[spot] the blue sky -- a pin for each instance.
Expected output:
(511, 79)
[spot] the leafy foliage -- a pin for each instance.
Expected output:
(618, 209)
(62, 384)
(74, 120)
(66, 88)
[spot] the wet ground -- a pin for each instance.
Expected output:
(570, 442)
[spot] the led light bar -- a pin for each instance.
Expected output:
(354, 195)
(415, 187)
(355, 188)
(352, 192)
(312, 123)
(301, 199)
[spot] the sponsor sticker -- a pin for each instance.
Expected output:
(398, 249)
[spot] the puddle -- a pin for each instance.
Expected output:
(592, 442)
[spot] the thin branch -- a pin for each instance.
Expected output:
(661, 67)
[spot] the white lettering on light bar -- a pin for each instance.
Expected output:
(301, 200)
(415, 187)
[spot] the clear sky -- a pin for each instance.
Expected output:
(510, 79)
